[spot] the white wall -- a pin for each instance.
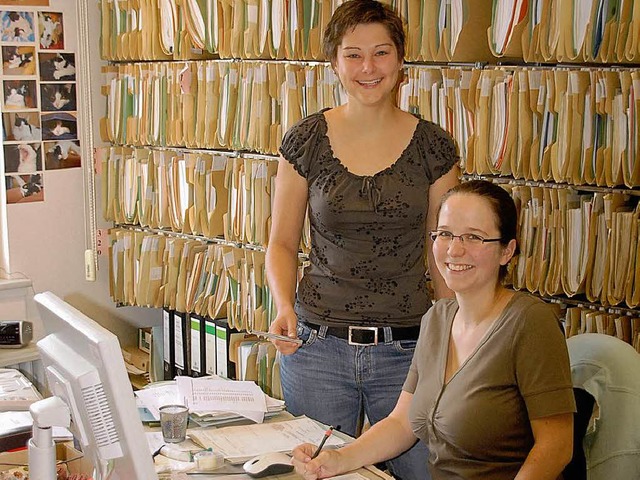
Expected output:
(47, 239)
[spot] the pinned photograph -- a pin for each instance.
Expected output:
(24, 188)
(51, 32)
(58, 97)
(20, 94)
(57, 66)
(59, 126)
(18, 60)
(62, 154)
(21, 126)
(17, 26)
(22, 158)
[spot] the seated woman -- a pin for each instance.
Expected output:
(489, 390)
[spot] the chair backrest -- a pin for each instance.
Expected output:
(577, 468)
(607, 370)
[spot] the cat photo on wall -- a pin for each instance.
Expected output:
(57, 67)
(21, 126)
(58, 97)
(24, 188)
(59, 126)
(18, 60)
(20, 94)
(17, 26)
(22, 158)
(62, 154)
(50, 29)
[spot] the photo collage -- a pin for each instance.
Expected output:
(39, 104)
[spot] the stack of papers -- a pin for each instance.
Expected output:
(211, 401)
(16, 391)
(241, 443)
(12, 422)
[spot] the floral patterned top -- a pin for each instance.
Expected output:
(367, 232)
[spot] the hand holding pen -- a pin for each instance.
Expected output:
(306, 464)
(327, 434)
(275, 336)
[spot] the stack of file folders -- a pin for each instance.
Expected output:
(437, 30)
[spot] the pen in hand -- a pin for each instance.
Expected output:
(275, 336)
(327, 434)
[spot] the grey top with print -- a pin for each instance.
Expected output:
(367, 232)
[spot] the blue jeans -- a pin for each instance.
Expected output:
(333, 382)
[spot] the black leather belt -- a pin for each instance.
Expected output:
(357, 335)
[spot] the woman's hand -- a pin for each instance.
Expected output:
(285, 324)
(327, 464)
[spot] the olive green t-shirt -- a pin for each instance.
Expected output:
(367, 232)
(477, 426)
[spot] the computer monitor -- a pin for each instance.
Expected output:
(84, 367)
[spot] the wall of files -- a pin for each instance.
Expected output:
(552, 31)
(541, 96)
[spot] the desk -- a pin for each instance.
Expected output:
(83, 465)
(369, 472)
(370, 475)
(373, 474)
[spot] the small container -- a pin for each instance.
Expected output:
(173, 420)
(207, 460)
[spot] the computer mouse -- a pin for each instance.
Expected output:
(272, 463)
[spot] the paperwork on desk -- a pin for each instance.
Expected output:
(16, 391)
(212, 401)
(15, 421)
(349, 476)
(243, 442)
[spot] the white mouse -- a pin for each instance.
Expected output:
(272, 463)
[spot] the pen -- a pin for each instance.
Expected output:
(275, 336)
(327, 434)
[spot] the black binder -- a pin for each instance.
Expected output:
(169, 349)
(182, 343)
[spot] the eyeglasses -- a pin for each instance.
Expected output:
(445, 237)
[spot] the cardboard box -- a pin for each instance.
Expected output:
(16, 437)
(65, 453)
(136, 357)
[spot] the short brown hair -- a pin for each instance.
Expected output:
(357, 12)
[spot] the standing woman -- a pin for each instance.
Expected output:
(489, 389)
(371, 176)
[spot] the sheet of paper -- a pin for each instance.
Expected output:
(348, 476)
(240, 443)
(15, 385)
(14, 420)
(155, 441)
(11, 421)
(61, 433)
(204, 394)
(154, 398)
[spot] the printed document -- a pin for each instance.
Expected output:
(241, 443)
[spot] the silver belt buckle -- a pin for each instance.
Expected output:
(373, 329)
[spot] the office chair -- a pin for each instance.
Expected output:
(606, 379)
(577, 468)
